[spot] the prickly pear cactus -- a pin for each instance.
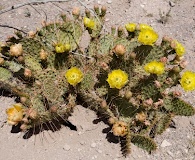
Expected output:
(122, 75)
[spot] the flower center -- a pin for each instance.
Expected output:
(74, 76)
(118, 79)
(188, 81)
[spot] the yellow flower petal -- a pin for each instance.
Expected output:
(74, 76)
(179, 49)
(14, 114)
(88, 23)
(147, 36)
(155, 67)
(130, 27)
(188, 81)
(117, 79)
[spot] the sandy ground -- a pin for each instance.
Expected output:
(90, 140)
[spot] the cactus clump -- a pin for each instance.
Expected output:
(123, 75)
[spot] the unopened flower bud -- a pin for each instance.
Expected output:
(120, 31)
(16, 50)
(132, 55)
(164, 60)
(104, 104)
(27, 72)
(32, 113)
(113, 30)
(97, 10)
(54, 109)
(157, 84)
(43, 54)
(158, 103)
(23, 99)
(167, 39)
(169, 80)
(87, 12)
(179, 58)
(183, 63)
(173, 44)
(148, 102)
(25, 120)
(31, 34)
(128, 94)
(20, 59)
(119, 49)
(176, 69)
(2, 61)
(147, 123)
(104, 66)
(103, 11)
(140, 116)
(24, 127)
(112, 120)
(76, 11)
(177, 93)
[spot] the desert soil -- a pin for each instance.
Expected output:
(90, 141)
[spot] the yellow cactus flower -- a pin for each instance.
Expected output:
(89, 23)
(147, 36)
(67, 47)
(15, 114)
(130, 27)
(155, 67)
(117, 79)
(145, 26)
(74, 76)
(188, 81)
(61, 48)
(179, 49)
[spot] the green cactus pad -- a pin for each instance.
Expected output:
(179, 107)
(144, 142)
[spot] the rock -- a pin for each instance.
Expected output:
(170, 153)
(165, 143)
(171, 3)
(142, 5)
(99, 2)
(93, 145)
(66, 147)
(107, 19)
(109, 1)
(82, 142)
(94, 157)
(99, 151)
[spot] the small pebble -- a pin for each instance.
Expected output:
(99, 151)
(142, 5)
(109, 1)
(94, 157)
(82, 142)
(165, 143)
(99, 2)
(66, 147)
(107, 19)
(93, 145)
(170, 153)
(171, 3)
(186, 150)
